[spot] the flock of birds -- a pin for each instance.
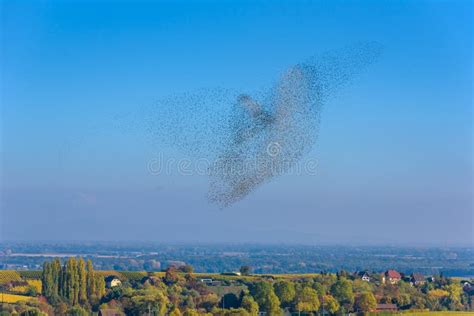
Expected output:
(249, 139)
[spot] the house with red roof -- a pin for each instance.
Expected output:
(392, 276)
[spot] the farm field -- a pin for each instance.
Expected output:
(14, 298)
(9, 276)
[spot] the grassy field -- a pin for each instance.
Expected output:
(21, 289)
(30, 274)
(8, 276)
(13, 298)
(37, 284)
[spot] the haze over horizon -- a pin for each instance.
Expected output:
(394, 153)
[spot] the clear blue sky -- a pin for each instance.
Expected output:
(394, 152)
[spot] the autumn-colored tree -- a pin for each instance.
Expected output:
(171, 276)
(365, 302)
(150, 301)
(266, 298)
(99, 285)
(61, 309)
(438, 293)
(74, 287)
(320, 288)
(326, 279)
(285, 291)
(273, 305)
(82, 279)
(454, 296)
(229, 312)
(191, 312)
(68, 281)
(77, 311)
(175, 312)
(307, 300)
(56, 269)
(249, 304)
(53, 283)
(330, 304)
(90, 280)
(342, 291)
(72, 277)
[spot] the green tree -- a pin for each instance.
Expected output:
(229, 300)
(90, 282)
(31, 291)
(47, 280)
(360, 286)
(366, 302)
(33, 312)
(327, 279)
(82, 279)
(342, 291)
(77, 311)
(330, 304)
(99, 285)
(307, 300)
(150, 301)
(208, 301)
(285, 291)
(63, 281)
(266, 298)
(72, 281)
(245, 270)
(273, 305)
(56, 271)
(55, 280)
(320, 288)
(454, 296)
(229, 312)
(249, 304)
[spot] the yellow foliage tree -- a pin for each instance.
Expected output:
(438, 293)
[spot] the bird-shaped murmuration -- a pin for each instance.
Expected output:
(249, 138)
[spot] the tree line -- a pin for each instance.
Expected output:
(74, 288)
(75, 282)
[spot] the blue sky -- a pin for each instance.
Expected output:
(394, 151)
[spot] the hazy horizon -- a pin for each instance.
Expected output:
(133, 243)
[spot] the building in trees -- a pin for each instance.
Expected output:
(392, 277)
(417, 279)
(363, 275)
(111, 281)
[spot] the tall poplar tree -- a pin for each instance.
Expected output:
(100, 285)
(74, 281)
(82, 276)
(56, 273)
(47, 280)
(91, 288)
